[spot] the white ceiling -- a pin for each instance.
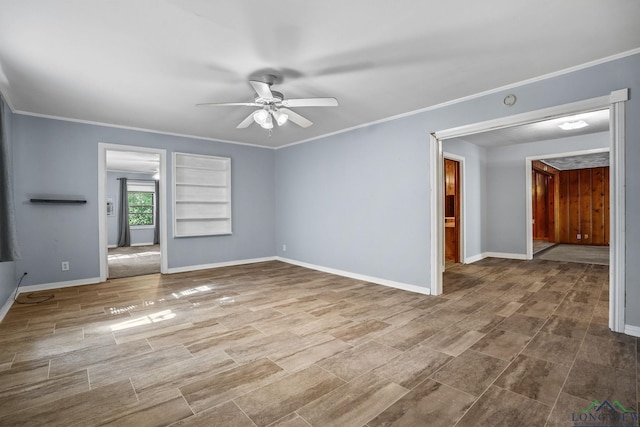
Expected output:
(597, 121)
(593, 160)
(132, 161)
(146, 63)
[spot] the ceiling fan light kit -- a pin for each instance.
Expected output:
(273, 106)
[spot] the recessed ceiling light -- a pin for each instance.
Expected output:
(573, 125)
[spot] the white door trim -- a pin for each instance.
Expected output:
(437, 214)
(103, 147)
(614, 101)
(617, 192)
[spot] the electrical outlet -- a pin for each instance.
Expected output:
(586, 236)
(284, 248)
(65, 265)
(579, 236)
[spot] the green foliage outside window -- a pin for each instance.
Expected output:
(140, 208)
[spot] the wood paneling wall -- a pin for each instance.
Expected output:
(583, 207)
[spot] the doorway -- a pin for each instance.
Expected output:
(580, 207)
(137, 175)
(615, 103)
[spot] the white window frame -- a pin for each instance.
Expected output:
(136, 186)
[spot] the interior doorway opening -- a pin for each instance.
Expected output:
(580, 206)
(615, 103)
(133, 226)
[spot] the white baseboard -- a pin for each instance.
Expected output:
(7, 306)
(376, 280)
(632, 330)
(474, 258)
(504, 255)
(132, 245)
(484, 255)
(58, 285)
(218, 265)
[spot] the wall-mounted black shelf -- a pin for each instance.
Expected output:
(58, 201)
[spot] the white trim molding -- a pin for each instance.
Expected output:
(617, 211)
(218, 265)
(632, 330)
(505, 255)
(133, 245)
(378, 281)
(59, 285)
(7, 306)
(436, 225)
(475, 258)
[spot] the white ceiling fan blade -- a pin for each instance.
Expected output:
(262, 89)
(227, 104)
(310, 102)
(296, 118)
(246, 122)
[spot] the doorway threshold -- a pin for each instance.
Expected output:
(541, 246)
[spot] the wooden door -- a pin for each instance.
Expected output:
(452, 210)
(543, 204)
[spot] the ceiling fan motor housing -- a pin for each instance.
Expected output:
(277, 97)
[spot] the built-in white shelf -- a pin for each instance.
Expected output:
(201, 194)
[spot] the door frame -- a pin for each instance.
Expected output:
(461, 242)
(615, 101)
(103, 147)
(529, 184)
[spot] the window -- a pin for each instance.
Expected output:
(141, 198)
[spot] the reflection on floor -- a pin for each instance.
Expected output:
(510, 343)
(134, 261)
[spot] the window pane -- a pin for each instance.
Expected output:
(138, 198)
(140, 219)
(140, 208)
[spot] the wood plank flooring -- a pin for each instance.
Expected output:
(271, 344)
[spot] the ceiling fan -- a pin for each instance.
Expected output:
(272, 106)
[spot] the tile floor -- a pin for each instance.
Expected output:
(510, 343)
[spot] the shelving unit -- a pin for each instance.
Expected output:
(202, 195)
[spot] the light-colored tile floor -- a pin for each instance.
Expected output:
(509, 343)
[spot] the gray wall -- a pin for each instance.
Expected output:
(358, 201)
(138, 235)
(59, 157)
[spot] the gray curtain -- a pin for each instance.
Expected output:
(8, 236)
(124, 233)
(156, 231)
